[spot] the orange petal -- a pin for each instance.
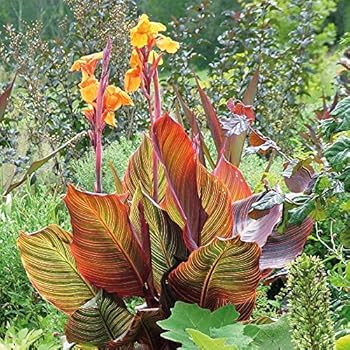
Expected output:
(167, 44)
(132, 80)
(109, 118)
(88, 89)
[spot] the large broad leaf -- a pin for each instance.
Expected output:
(205, 342)
(52, 270)
(280, 249)
(140, 171)
(254, 230)
(225, 270)
(234, 180)
(101, 320)
(212, 118)
(4, 97)
(184, 316)
(39, 163)
(175, 151)
(272, 336)
(143, 329)
(216, 202)
(107, 251)
(167, 245)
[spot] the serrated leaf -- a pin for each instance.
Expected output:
(234, 334)
(99, 321)
(51, 268)
(186, 316)
(274, 336)
(204, 342)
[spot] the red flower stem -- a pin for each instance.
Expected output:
(99, 122)
(157, 101)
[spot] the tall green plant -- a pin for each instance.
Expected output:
(309, 305)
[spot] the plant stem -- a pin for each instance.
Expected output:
(98, 151)
(157, 101)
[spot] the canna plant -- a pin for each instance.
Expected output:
(172, 231)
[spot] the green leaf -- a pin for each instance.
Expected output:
(273, 336)
(299, 214)
(186, 316)
(343, 343)
(100, 320)
(342, 109)
(338, 154)
(204, 342)
(234, 334)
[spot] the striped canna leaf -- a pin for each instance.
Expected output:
(225, 270)
(107, 251)
(216, 202)
(140, 171)
(175, 151)
(51, 268)
(233, 178)
(167, 245)
(101, 320)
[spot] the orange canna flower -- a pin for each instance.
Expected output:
(132, 79)
(87, 64)
(167, 44)
(114, 98)
(145, 31)
(88, 89)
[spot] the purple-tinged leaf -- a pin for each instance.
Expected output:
(280, 249)
(4, 97)
(234, 125)
(251, 230)
(212, 118)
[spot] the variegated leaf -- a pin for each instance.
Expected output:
(233, 178)
(144, 330)
(52, 270)
(167, 244)
(107, 251)
(280, 249)
(225, 270)
(175, 151)
(216, 202)
(101, 320)
(140, 171)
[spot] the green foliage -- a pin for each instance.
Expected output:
(197, 328)
(282, 38)
(21, 305)
(309, 305)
